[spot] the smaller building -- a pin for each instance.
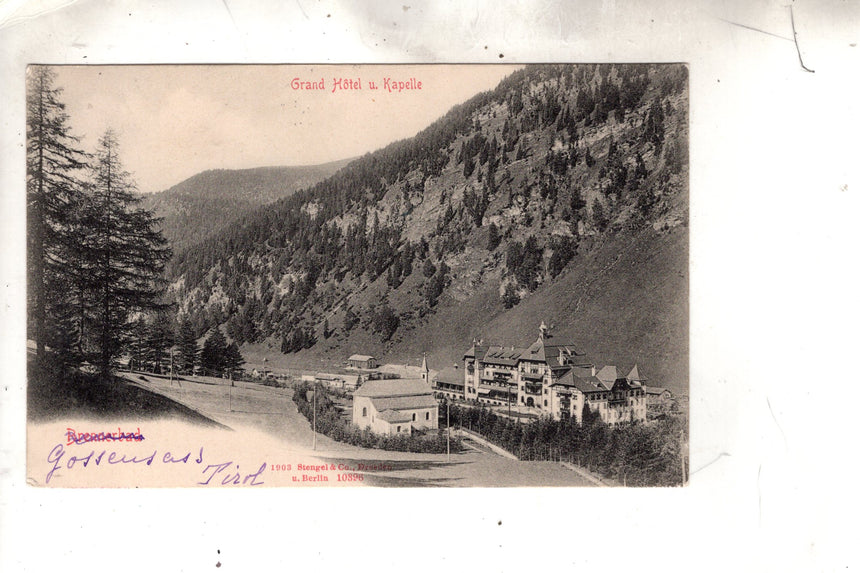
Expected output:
(392, 407)
(449, 383)
(658, 396)
(362, 362)
(352, 383)
(339, 381)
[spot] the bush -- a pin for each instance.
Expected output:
(385, 322)
(493, 237)
(510, 298)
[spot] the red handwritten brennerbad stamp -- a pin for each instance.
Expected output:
(75, 437)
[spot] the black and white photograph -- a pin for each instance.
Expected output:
(432, 275)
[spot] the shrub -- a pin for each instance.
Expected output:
(510, 298)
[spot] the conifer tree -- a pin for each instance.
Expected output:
(213, 355)
(476, 204)
(54, 163)
(576, 201)
(186, 340)
(350, 320)
(511, 297)
(125, 254)
(233, 360)
(654, 130)
(158, 339)
(493, 237)
(598, 216)
(137, 345)
(385, 322)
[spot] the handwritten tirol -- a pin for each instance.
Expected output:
(390, 85)
(210, 473)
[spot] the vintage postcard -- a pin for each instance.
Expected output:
(357, 275)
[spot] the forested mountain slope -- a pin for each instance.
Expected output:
(559, 196)
(202, 205)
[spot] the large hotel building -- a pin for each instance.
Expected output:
(550, 377)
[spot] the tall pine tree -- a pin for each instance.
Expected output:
(186, 340)
(53, 194)
(126, 254)
(233, 360)
(159, 339)
(214, 353)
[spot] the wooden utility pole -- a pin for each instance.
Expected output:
(681, 455)
(315, 416)
(448, 425)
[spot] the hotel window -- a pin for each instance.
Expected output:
(398, 428)
(426, 415)
(544, 402)
(364, 412)
(413, 416)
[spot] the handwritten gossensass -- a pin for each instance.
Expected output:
(223, 473)
(387, 84)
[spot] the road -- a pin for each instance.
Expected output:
(272, 411)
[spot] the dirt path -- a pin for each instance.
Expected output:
(272, 411)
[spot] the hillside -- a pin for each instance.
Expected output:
(200, 206)
(559, 196)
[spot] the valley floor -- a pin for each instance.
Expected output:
(272, 411)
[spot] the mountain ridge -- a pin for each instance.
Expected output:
(559, 196)
(196, 208)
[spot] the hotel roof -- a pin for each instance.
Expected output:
(608, 374)
(502, 355)
(556, 354)
(634, 375)
(583, 384)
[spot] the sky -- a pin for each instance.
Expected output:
(176, 121)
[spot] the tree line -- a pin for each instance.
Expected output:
(162, 344)
(634, 454)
